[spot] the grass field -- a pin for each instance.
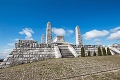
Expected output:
(82, 68)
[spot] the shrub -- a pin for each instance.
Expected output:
(94, 54)
(99, 51)
(82, 52)
(108, 51)
(89, 53)
(104, 51)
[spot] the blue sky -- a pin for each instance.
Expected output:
(99, 21)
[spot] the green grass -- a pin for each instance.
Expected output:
(82, 68)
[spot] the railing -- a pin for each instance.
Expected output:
(57, 52)
(73, 51)
(114, 49)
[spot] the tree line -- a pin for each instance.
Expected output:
(101, 52)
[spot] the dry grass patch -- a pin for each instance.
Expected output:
(87, 68)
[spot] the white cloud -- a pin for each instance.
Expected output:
(70, 31)
(3, 54)
(114, 36)
(11, 44)
(7, 50)
(59, 31)
(16, 39)
(97, 41)
(94, 34)
(28, 32)
(115, 29)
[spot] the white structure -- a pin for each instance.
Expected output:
(57, 52)
(115, 49)
(42, 39)
(27, 51)
(59, 39)
(49, 33)
(78, 36)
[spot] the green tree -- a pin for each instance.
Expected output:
(82, 52)
(89, 53)
(108, 51)
(104, 51)
(94, 54)
(99, 51)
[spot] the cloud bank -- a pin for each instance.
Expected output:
(115, 29)
(114, 36)
(28, 32)
(94, 34)
(61, 31)
(97, 41)
(70, 31)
